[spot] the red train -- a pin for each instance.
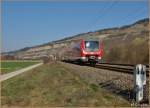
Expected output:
(87, 51)
(91, 51)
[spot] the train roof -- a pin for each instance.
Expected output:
(91, 39)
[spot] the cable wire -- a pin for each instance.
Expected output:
(106, 10)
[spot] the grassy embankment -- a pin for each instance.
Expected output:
(133, 52)
(13, 65)
(55, 85)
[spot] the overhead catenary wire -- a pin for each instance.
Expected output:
(134, 14)
(105, 11)
(130, 15)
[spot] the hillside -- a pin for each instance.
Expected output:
(126, 44)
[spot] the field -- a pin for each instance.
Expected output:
(55, 85)
(13, 65)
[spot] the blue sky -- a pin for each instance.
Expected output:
(26, 24)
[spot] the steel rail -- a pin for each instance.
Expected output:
(119, 67)
(122, 68)
(123, 64)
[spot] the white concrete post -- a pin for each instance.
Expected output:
(139, 81)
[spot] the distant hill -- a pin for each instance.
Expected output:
(126, 44)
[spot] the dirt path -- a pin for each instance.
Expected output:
(12, 74)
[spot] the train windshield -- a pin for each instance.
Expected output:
(91, 45)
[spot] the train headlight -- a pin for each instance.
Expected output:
(99, 58)
(83, 58)
(84, 52)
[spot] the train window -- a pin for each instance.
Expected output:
(91, 45)
(87, 45)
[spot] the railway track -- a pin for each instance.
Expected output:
(124, 68)
(122, 85)
(122, 64)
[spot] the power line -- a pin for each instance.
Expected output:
(106, 10)
(132, 15)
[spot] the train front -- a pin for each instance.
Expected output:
(91, 51)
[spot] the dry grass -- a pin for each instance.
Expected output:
(133, 52)
(55, 85)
